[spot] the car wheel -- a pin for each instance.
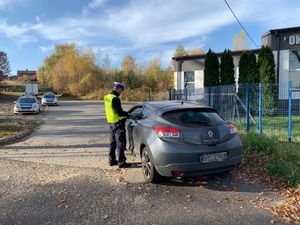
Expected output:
(149, 171)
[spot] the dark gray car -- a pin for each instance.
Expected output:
(177, 139)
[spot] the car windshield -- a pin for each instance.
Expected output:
(27, 100)
(194, 117)
(49, 96)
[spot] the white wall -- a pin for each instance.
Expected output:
(175, 80)
(199, 78)
(179, 79)
(283, 73)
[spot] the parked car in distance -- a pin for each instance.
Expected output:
(175, 139)
(49, 98)
(27, 104)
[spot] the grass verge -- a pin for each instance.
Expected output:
(7, 130)
(274, 163)
(10, 126)
(282, 160)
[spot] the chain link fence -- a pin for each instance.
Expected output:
(272, 109)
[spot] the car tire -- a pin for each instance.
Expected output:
(149, 172)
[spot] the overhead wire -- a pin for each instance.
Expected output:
(241, 25)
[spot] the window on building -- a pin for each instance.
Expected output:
(294, 74)
(189, 80)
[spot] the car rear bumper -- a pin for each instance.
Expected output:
(198, 169)
(50, 103)
(170, 157)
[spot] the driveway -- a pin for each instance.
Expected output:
(59, 175)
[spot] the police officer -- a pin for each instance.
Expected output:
(116, 118)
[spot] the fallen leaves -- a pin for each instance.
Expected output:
(105, 216)
(289, 209)
(253, 171)
(189, 198)
(63, 205)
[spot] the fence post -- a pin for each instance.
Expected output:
(185, 93)
(209, 94)
(260, 108)
(247, 105)
(149, 94)
(290, 111)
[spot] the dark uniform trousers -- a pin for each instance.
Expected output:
(117, 141)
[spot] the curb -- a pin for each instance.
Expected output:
(14, 137)
(24, 133)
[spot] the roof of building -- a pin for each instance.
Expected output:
(202, 56)
(26, 72)
(282, 30)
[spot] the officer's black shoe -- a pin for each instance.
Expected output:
(125, 165)
(113, 163)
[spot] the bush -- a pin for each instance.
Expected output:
(285, 170)
(136, 95)
(256, 142)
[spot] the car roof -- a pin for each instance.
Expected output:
(160, 107)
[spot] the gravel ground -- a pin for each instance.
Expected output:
(59, 175)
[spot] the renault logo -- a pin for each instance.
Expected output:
(210, 133)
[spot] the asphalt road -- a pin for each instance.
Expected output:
(59, 175)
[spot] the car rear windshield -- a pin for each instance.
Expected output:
(49, 96)
(194, 117)
(27, 100)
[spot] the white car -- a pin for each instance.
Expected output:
(27, 104)
(49, 98)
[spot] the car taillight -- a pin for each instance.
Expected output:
(177, 173)
(167, 132)
(232, 128)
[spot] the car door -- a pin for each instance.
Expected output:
(141, 129)
(131, 124)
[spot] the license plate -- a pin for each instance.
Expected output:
(213, 157)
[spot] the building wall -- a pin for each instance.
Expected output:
(284, 75)
(175, 80)
(198, 67)
(283, 72)
(199, 78)
(283, 42)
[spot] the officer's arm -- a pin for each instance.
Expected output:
(116, 105)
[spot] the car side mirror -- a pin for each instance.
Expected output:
(137, 116)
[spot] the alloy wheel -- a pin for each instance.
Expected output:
(146, 165)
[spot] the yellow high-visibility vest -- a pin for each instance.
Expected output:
(111, 115)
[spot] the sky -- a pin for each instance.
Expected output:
(29, 29)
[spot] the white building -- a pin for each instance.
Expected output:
(285, 44)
